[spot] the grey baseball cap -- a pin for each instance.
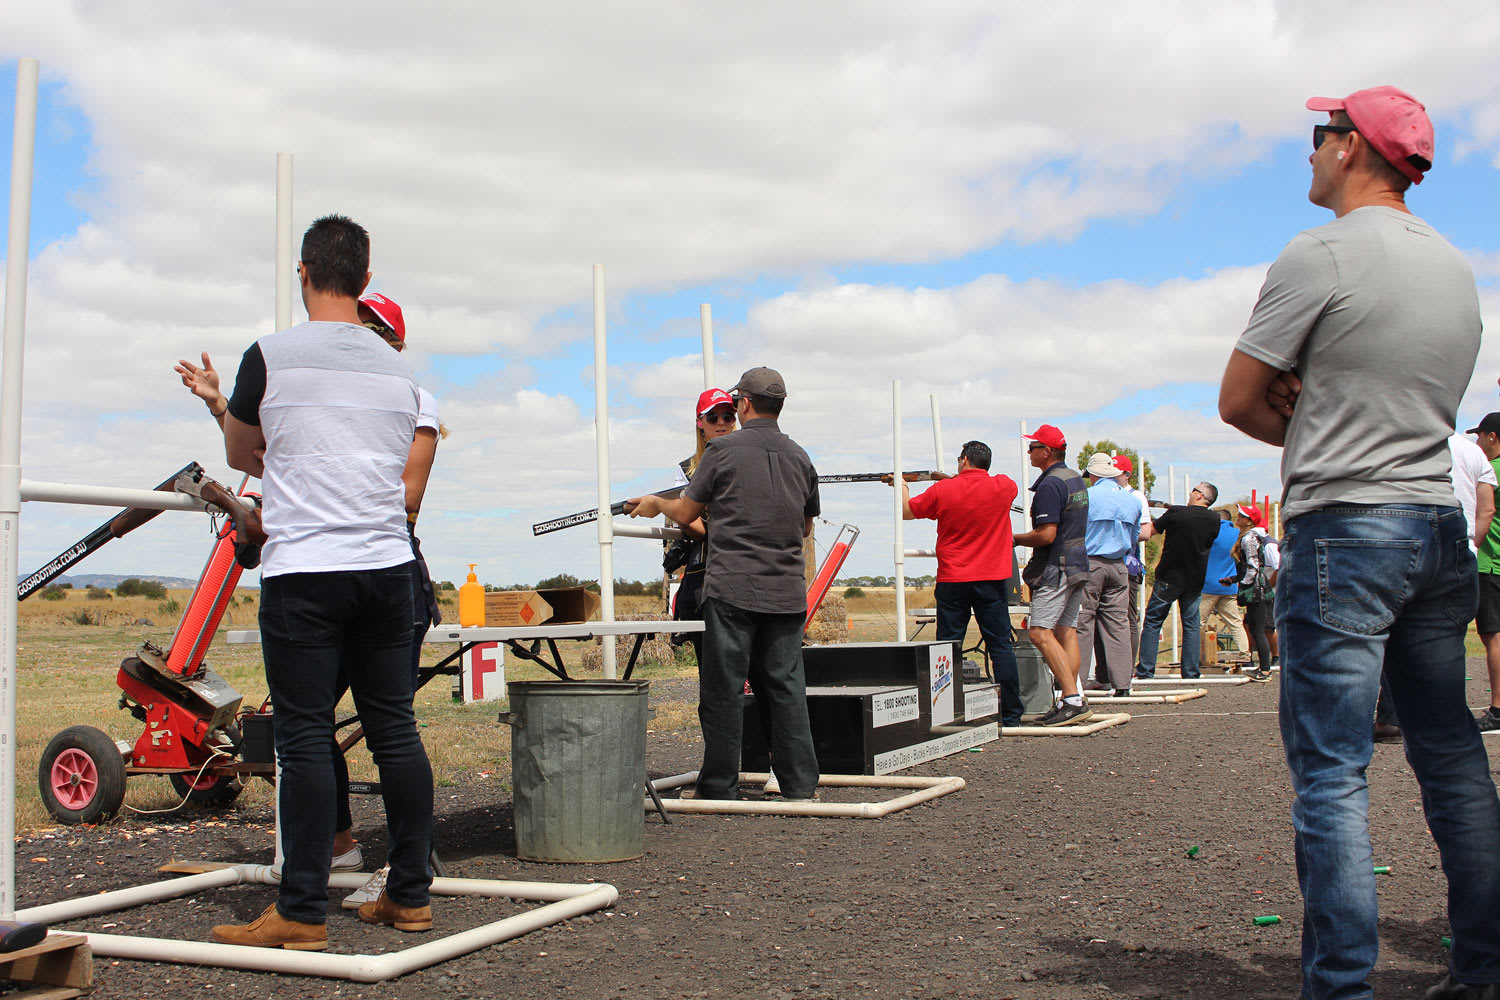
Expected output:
(761, 382)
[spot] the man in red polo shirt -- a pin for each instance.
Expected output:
(972, 510)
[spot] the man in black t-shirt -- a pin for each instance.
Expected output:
(1190, 532)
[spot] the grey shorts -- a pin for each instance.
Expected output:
(1057, 605)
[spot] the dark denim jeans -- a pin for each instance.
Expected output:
(766, 649)
(312, 624)
(1157, 608)
(1363, 588)
(986, 600)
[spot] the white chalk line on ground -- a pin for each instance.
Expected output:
(1178, 715)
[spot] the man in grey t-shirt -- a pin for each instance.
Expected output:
(764, 493)
(1354, 360)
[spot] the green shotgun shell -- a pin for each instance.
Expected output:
(1382, 869)
(1445, 941)
(1192, 851)
(1263, 921)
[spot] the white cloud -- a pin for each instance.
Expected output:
(496, 151)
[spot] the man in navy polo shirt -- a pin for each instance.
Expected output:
(1058, 569)
(974, 554)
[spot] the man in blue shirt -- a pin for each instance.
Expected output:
(1114, 525)
(1219, 598)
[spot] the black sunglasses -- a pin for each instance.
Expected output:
(719, 418)
(1033, 446)
(1322, 132)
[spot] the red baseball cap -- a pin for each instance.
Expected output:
(710, 398)
(386, 312)
(1256, 516)
(1392, 121)
(1123, 463)
(1049, 436)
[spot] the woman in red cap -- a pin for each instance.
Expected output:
(1254, 555)
(714, 418)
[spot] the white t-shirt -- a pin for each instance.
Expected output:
(427, 410)
(1469, 467)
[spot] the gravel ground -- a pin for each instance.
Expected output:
(1061, 871)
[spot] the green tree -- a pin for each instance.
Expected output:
(1112, 448)
(134, 586)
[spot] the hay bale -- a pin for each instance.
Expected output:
(831, 623)
(656, 648)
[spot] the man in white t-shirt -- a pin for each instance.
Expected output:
(1474, 484)
(324, 414)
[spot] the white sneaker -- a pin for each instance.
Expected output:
(351, 860)
(773, 787)
(369, 892)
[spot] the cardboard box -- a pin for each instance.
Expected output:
(556, 606)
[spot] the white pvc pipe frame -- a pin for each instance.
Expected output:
(922, 790)
(562, 902)
(567, 900)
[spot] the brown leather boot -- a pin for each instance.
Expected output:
(386, 910)
(272, 930)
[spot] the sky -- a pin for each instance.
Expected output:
(1053, 213)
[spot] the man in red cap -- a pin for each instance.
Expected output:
(1058, 570)
(1360, 346)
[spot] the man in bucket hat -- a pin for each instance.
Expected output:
(1360, 346)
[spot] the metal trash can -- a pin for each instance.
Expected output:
(1036, 680)
(578, 769)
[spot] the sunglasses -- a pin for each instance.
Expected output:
(718, 418)
(1033, 446)
(1322, 132)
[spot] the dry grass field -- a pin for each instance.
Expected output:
(67, 677)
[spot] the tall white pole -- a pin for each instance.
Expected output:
(937, 434)
(1140, 484)
(900, 522)
(1172, 498)
(284, 278)
(606, 520)
(706, 322)
(1021, 483)
(18, 252)
(284, 251)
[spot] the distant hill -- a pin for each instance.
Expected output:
(109, 581)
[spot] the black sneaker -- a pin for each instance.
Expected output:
(1451, 989)
(1258, 675)
(1489, 723)
(1066, 715)
(1122, 692)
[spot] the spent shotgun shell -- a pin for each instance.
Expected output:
(1192, 851)
(1263, 921)
(1382, 869)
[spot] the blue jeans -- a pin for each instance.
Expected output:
(1163, 595)
(986, 599)
(766, 649)
(1363, 588)
(312, 625)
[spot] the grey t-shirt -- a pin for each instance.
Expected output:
(762, 487)
(1379, 316)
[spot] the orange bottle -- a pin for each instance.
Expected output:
(471, 601)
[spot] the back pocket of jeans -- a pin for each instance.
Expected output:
(1362, 583)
